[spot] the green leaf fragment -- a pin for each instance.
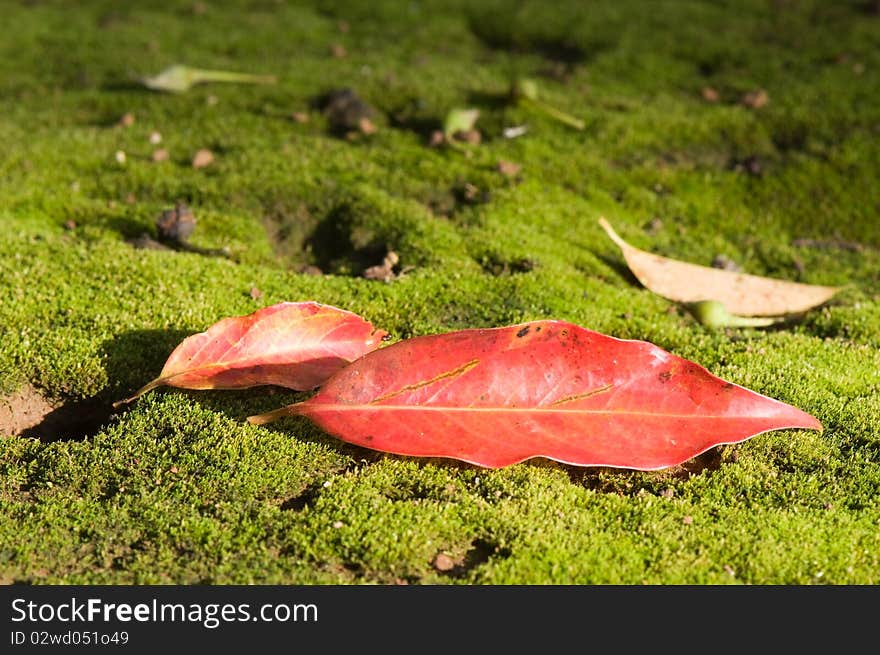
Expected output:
(459, 120)
(713, 314)
(180, 78)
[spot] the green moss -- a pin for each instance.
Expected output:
(179, 488)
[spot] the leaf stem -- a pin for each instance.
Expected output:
(140, 392)
(268, 417)
(203, 75)
(559, 115)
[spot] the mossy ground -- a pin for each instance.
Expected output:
(179, 488)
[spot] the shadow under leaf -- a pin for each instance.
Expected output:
(621, 269)
(134, 357)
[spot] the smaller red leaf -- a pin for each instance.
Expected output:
(297, 345)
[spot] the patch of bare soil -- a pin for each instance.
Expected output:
(28, 413)
(22, 410)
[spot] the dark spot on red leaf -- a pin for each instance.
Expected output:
(523, 332)
(664, 376)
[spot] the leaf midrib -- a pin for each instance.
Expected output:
(494, 410)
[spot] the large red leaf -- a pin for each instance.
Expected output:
(297, 345)
(495, 397)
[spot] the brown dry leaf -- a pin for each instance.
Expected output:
(710, 94)
(740, 293)
(126, 120)
(202, 158)
(160, 155)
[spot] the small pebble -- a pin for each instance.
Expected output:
(176, 224)
(436, 139)
(203, 158)
(654, 225)
(472, 137)
(155, 138)
(515, 131)
(509, 168)
(710, 95)
(725, 263)
(120, 156)
(345, 110)
(755, 99)
(443, 562)
(470, 192)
